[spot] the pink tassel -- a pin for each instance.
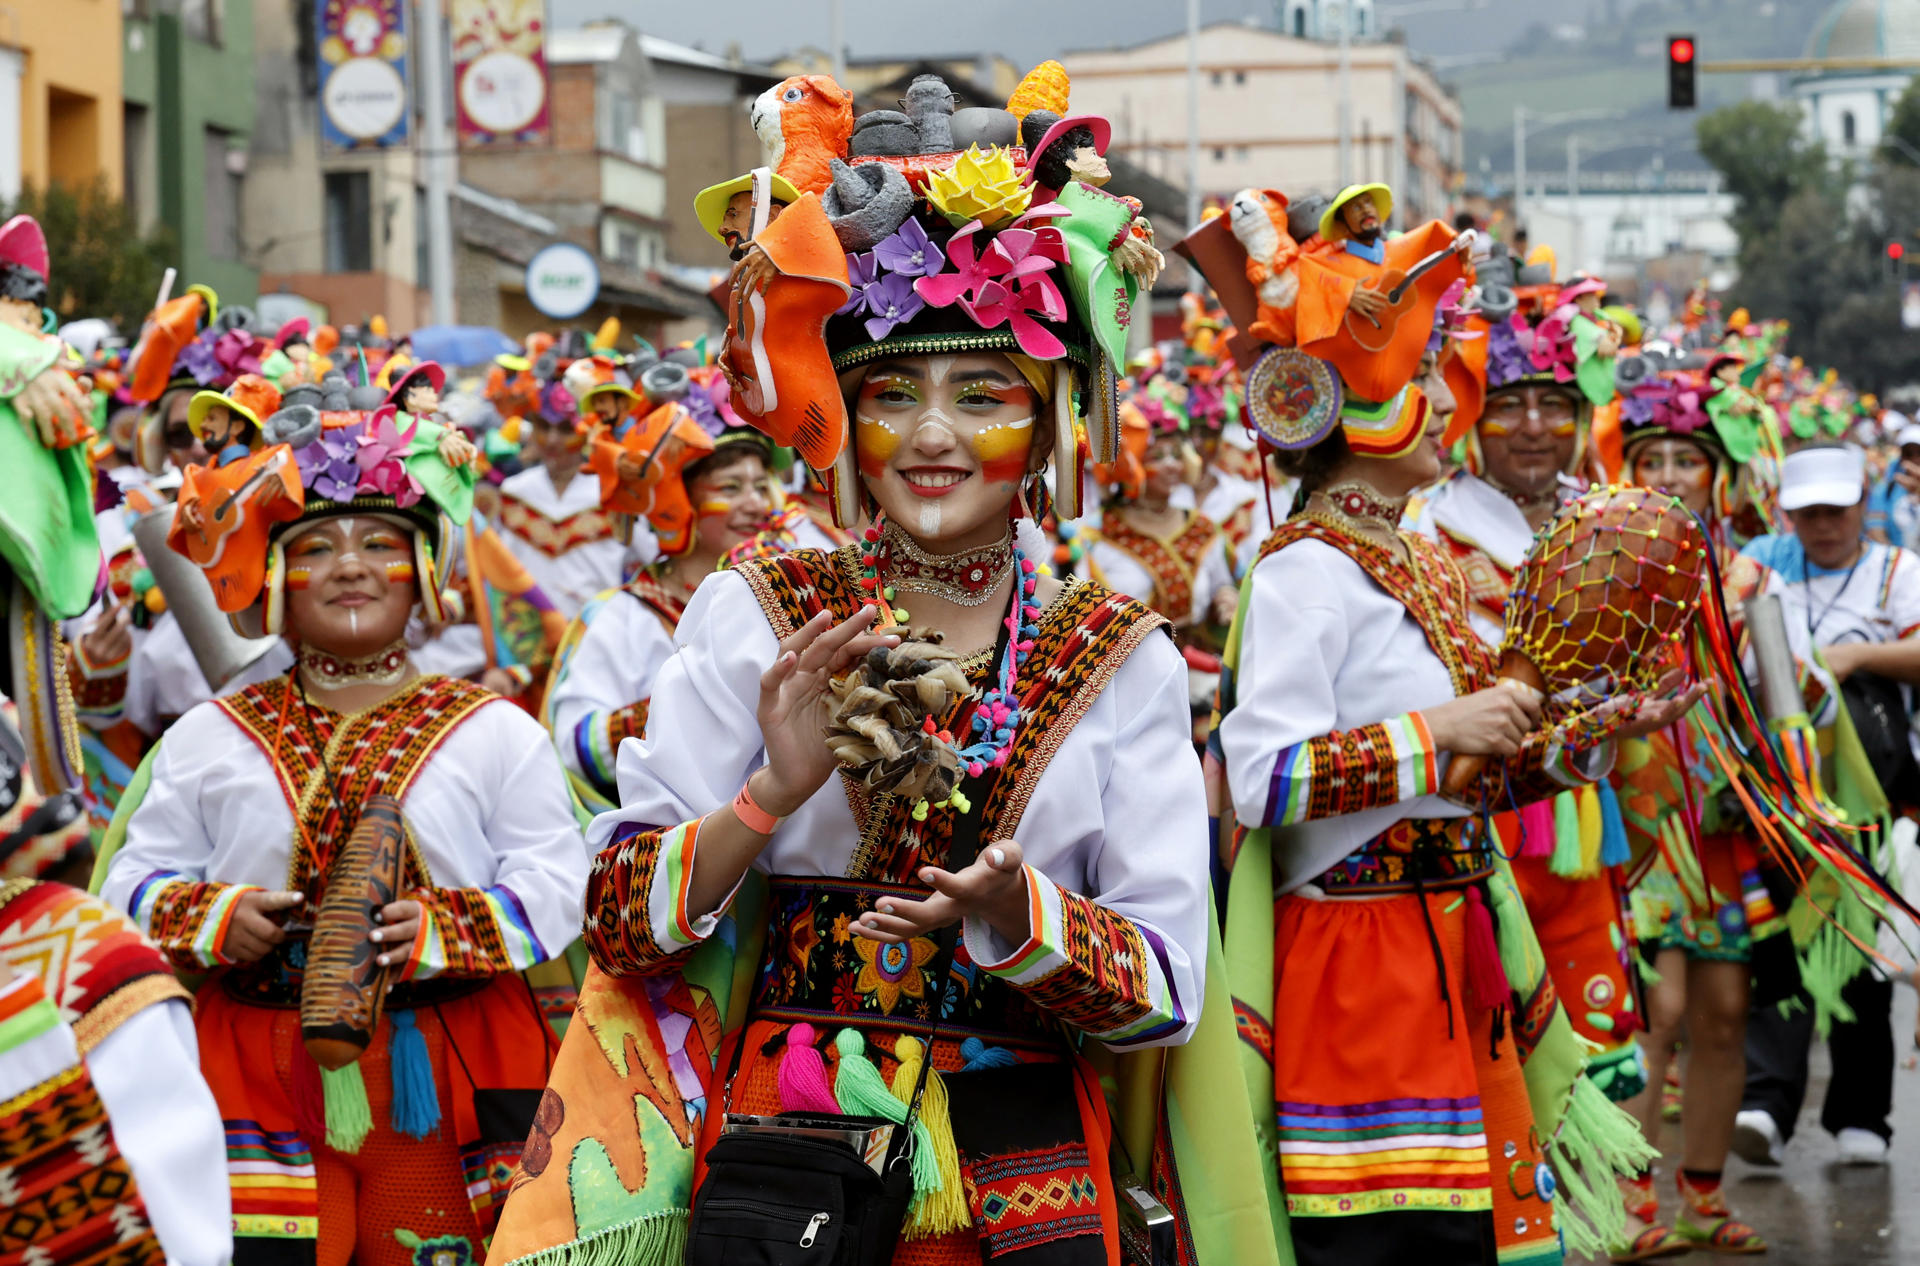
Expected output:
(803, 1075)
(1487, 987)
(1536, 829)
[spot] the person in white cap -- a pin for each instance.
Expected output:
(1893, 506)
(1857, 601)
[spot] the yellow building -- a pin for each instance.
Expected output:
(60, 100)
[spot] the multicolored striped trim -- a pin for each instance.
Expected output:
(1097, 970)
(275, 1192)
(472, 932)
(1342, 1159)
(25, 1013)
(1350, 770)
(637, 898)
(187, 918)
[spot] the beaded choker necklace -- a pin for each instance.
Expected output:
(1359, 510)
(966, 579)
(998, 711)
(321, 671)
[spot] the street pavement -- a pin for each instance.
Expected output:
(1815, 1211)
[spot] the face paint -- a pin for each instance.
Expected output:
(713, 506)
(1003, 450)
(875, 439)
(400, 572)
(930, 519)
(299, 577)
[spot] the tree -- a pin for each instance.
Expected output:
(103, 266)
(1761, 151)
(1900, 144)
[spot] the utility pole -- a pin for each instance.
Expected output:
(1519, 166)
(1193, 115)
(837, 32)
(1345, 8)
(1573, 202)
(436, 148)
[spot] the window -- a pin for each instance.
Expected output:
(136, 159)
(1216, 79)
(223, 164)
(1240, 153)
(1239, 78)
(422, 240)
(202, 19)
(627, 248)
(1300, 24)
(629, 131)
(349, 226)
(1219, 154)
(1846, 127)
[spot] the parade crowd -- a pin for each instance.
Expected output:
(934, 775)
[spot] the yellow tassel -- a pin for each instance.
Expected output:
(1591, 830)
(937, 1212)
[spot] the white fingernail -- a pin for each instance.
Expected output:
(374, 937)
(999, 856)
(886, 907)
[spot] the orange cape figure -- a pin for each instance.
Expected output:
(776, 351)
(168, 329)
(1465, 370)
(1374, 360)
(226, 515)
(640, 473)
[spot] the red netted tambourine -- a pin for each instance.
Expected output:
(1601, 600)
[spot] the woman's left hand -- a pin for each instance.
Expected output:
(993, 888)
(1658, 714)
(399, 924)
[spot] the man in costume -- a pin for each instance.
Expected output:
(250, 813)
(550, 516)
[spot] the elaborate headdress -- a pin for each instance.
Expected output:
(917, 246)
(329, 450)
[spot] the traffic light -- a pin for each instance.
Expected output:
(1896, 251)
(1680, 71)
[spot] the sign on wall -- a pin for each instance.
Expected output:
(500, 71)
(563, 280)
(363, 72)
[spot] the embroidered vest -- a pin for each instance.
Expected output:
(1085, 635)
(554, 537)
(1172, 563)
(91, 960)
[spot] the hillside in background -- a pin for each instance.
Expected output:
(1597, 55)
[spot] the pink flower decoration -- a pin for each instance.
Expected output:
(381, 458)
(1007, 283)
(1553, 346)
(239, 352)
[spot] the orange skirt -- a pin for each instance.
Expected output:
(397, 1197)
(1404, 1125)
(1583, 932)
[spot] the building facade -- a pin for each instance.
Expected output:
(187, 120)
(1268, 105)
(60, 95)
(1848, 109)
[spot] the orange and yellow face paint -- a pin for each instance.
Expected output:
(1001, 448)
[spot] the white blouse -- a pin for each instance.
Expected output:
(614, 664)
(1324, 649)
(1121, 572)
(1118, 815)
(571, 579)
(490, 811)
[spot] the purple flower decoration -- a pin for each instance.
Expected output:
(700, 404)
(910, 252)
(330, 465)
(198, 359)
(862, 269)
(557, 404)
(1506, 358)
(892, 302)
(1637, 407)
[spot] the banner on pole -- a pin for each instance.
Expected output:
(499, 71)
(364, 59)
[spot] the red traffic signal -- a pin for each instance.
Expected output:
(1680, 72)
(1895, 250)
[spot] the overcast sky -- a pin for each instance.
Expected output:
(1024, 30)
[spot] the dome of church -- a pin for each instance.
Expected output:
(1867, 28)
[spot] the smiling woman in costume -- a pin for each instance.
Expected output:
(251, 814)
(1043, 723)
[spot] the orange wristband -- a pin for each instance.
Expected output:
(751, 815)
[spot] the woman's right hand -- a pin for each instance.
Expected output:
(255, 926)
(1490, 722)
(794, 702)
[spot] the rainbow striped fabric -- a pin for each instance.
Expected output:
(1392, 1154)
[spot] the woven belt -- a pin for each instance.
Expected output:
(815, 969)
(274, 981)
(1415, 853)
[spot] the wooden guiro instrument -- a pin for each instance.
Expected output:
(1600, 602)
(345, 986)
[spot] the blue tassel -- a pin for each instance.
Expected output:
(416, 1101)
(1614, 850)
(979, 1055)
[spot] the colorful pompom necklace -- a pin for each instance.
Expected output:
(997, 715)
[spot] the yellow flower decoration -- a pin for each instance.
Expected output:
(889, 971)
(981, 185)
